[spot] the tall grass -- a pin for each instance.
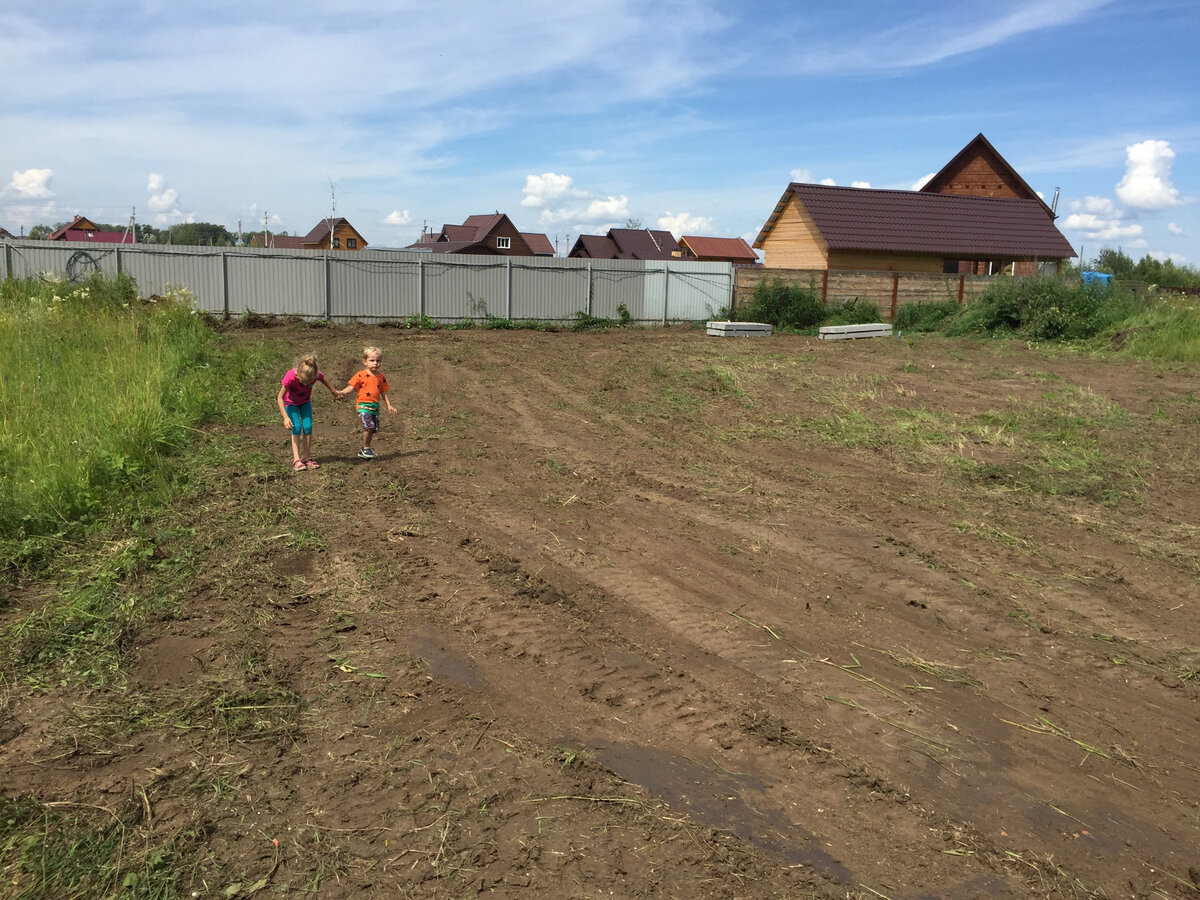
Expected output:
(1168, 329)
(98, 389)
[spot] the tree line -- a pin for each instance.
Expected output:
(1163, 273)
(194, 234)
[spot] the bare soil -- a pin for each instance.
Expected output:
(653, 614)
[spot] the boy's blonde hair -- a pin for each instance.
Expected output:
(306, 369)
(367, 351)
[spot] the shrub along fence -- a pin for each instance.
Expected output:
(887, 290)
(383, 285)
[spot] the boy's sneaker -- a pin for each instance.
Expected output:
(366, 453)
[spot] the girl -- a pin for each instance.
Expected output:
(295, 405)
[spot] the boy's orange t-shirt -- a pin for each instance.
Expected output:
(370, 387)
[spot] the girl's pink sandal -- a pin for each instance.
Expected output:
(311, 464)
(298, 465)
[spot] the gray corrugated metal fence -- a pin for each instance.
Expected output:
(377, 285)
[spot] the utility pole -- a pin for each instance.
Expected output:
(332, 210)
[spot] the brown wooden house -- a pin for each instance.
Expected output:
(816, 226)
(978, 170)
(493, 235)
(333, 234)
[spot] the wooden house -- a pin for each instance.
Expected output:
(717, 249)
(486, 235)
(816, 226)
(626, 243)
(333, 234)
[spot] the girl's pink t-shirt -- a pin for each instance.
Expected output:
(295, 392)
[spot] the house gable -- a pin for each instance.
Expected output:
(327, 232)
(978, 170)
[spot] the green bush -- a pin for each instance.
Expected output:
(918, 317)
(783, 305)
(1042, 309)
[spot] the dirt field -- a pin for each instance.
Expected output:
(652, 614)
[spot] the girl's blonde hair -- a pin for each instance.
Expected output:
(367, 351)
(306, 369)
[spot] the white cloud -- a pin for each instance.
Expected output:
(685, 223)
(1147, 182)
(1097, 206)
(32, 184)
(922, 181)
(549, 188)
(860, 184)
(162, 202)
(395, 217)
(1176, 229)
(608, 208)
(803, 176)
(1098, 228)
(828, 181)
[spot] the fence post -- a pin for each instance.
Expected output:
(587, 297)
(8, 269)
(961, 281)
(328, 300)
(119, 269)
(824, 286)
(421, 288)
(225, 283)
(666, 289)
(895, 291)
(508, 288)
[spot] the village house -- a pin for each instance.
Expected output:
(487, 235)
(817, 226)
(626, 243)
(976, 216)
(84, 230)
(327, 234)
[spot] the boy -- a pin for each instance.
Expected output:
(371, 386)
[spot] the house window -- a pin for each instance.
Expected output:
(503, 243)
(949, 266)
(337, 243)
(351, 243)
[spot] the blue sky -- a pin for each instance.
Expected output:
(573, 117)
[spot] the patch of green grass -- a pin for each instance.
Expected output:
(71, 851)
(100, 394)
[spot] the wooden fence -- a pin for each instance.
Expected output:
(887, 290)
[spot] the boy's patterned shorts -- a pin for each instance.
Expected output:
(369, 420)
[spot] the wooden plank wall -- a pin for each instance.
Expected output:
(887, 290)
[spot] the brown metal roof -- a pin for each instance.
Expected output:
(644, 243)
(538, 243)
(915, 222)
(726, 248)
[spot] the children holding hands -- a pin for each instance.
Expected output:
(295, 406)
(372, 387)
